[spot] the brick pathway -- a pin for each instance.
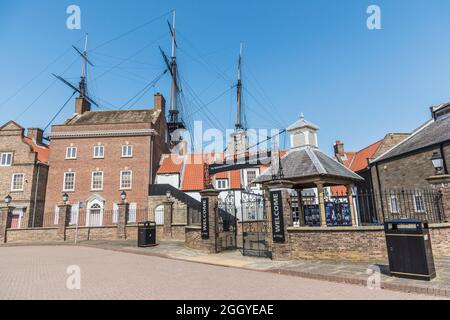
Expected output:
(342, 272)
(39, 272)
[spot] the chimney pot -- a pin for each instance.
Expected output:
(339, 149)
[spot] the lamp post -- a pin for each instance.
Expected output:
(123, 196)
(438, 162)
(65, 198)
(8, 200)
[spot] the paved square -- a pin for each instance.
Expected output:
(39, 272)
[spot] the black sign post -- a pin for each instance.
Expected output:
(276, 203)
(205, 218)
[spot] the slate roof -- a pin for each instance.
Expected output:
(431, 133)
(114, 117)
(309, 162)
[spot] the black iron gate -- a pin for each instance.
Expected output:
(253, 226)
(227, 219)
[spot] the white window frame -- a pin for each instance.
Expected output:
(115, 216)
(416, 208)
(218, 182)
(6, 154)
(159, 215)
(393, 209)
(132, 213)
(74, 181)
(71, 156)
(247, 184)
(56, 216)
(121, 181)
(127, 147)
(92, 181)
(12, 182)
(99, 147)
(74, 213)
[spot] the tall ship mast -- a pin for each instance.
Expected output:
(175, 122)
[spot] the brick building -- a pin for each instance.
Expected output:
(359, 161)
(23, 173)
(95, 156)
(408, 163)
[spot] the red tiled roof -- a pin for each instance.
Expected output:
(41, 150)
(360, 161)
(193, 166)
(171, 164)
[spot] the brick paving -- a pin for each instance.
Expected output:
(336, 271)
(39, 272)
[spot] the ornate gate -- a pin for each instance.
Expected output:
(253, 226)
(227, 221)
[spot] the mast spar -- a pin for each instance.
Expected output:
(174, 123)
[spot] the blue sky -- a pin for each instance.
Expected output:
(315, 57)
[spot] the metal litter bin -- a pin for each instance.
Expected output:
(409, 249)
(146, 234)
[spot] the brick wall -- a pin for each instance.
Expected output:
(356, 244)
(407, 172)
(25, 162)
(32, 235)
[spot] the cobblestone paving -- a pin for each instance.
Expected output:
(39, 272)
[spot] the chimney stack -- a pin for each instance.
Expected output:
(82, 105)
(36, 135)
(339, 149)
(159, 103)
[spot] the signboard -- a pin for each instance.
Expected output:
(205, 218)
(276, 203)
(249, 161)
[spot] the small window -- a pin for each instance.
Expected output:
(159, 215)
(222, 184)
(251, 176)
(127, 151)
(132, 213)
(99, 152)
(97, 180)
(17, 182)
(419, 203)
(126, 178)
(69, 181)
(6, 159)
(393, 204)
(71, 153)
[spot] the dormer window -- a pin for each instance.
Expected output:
(441, 112)
(222, 184)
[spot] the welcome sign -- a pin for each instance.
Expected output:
(205, 218)
(277, 217)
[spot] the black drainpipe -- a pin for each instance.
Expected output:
(441, 147)
(379, 189)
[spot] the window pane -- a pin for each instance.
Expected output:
(69, 181)
(125, 180)
(17, 182)
(97, 180)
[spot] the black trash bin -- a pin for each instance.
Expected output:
(146, 234)
(409, 249)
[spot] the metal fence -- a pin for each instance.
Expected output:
(372, 208)
(94, 217)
